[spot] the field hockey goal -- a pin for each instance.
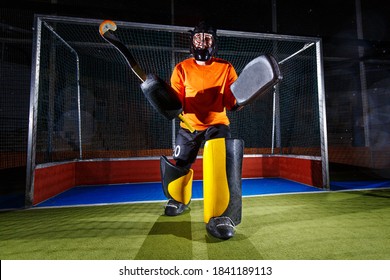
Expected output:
(90, 123)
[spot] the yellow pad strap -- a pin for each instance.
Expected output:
(181, 188)
(215, 182)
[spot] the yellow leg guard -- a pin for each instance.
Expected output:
(181, 188)
(222, 168)
(176, 181)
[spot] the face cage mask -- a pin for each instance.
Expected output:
(203, 54)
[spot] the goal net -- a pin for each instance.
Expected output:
(86, 103)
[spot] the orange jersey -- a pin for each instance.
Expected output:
(204, 91)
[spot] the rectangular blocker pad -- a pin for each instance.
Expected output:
(257, 77)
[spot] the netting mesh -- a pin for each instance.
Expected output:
(90, 104)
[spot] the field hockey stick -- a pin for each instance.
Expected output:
(106, 30)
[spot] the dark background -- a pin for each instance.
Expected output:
(356, 48)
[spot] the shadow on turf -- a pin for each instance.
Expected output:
(177, 238)
(178, 227)
(237, 237)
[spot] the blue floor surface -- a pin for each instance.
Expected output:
(125, 193)
(359, 185)
(148, 192)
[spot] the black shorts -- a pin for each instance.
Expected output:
(188, 144)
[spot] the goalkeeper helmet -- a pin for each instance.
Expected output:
(203, 42)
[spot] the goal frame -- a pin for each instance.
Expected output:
(40, 21)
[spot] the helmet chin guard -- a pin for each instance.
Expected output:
(203, 50)
(203, 54)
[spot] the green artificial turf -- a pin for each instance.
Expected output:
(314, 226)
